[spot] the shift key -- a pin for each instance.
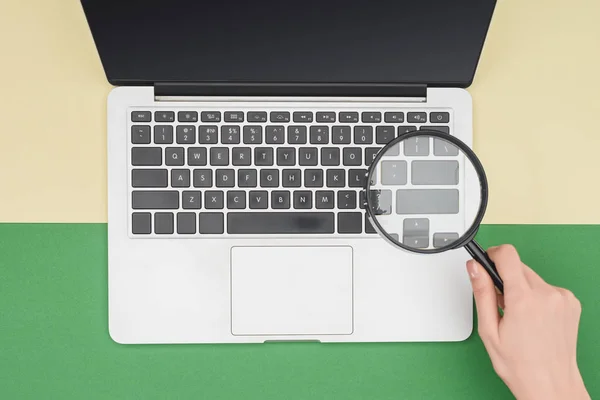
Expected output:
(155, 200)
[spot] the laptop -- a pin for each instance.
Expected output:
(239, 134)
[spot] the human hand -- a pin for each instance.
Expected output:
(533, 345)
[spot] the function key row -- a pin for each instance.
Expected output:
(297, 116)
(274, 134)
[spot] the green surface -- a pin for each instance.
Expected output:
(55, 344)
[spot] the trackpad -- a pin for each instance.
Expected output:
(291, 290)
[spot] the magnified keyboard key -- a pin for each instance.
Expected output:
(280, 222)
(155, 200)
(444, 148)
(416, 146)
(434, 172)
(394, 172)
(156, 178)
(146, 156)
(427, 201)
(418, 242)
(416, 227)
(444, 239)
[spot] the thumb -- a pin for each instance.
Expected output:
(485, 300)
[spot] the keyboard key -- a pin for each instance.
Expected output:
(418, 242)
(280, 116)
(346, 199)
(202, 178)
(383, 200)
(415, 227)
(252, 134)
(225, 178)
(369, 227)
(286, 156)
(259, 199)
(302, 200)
(291, 178)
(444, 239)
(303, 116)
(141, 116)
(427, 201)
(210, 116)
(324, 199)
(363, 135)
(163, 223)
(357, 178)
(444, 148)
(336, 178)
(146, 156)
(233, 116)
(141, 223)
(348, 117)
(164, 116)
(280, 222)
(197, 156)
(140, 134)
(269, 178)
(275, 134)
(434, 172)
(213, 200)
(307, 156)
(371, 153)
(384, 134)
(350, 222)
(241, 156)
(341, 135)
(405, 129)
(313, 178)
(280, 199)
(219, 156)
(186, 223)
(296, 134)
(154, 200)
(439, 117)
(163, 134)
(394, 117)
(207, 134)
(180, 178)
(191, 200)
(174, 156)
(149, 178)
(186, 134)
(236, 200)
(263, 156)
(230, 134)
(444, 129)
(416, 146)
(211, 223)
(394, 173)
(325, 117)
(352, 156)
(416, 117)
(371, 117)
(187, 116)
(319, 135)
(247, 178)
(330, 156)
(257, 116)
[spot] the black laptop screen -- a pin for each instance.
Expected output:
(437, 42)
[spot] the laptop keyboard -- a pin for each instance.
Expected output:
(279, 172)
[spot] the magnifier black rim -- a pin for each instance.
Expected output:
(472, 231)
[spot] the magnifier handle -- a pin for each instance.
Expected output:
(486, 262)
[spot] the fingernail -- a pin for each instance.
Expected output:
(473, 269)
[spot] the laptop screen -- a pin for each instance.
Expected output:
(436, 42)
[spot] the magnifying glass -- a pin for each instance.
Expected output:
(426, 192)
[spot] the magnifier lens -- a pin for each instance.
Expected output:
(425, 193)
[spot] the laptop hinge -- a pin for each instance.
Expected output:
(272, 89)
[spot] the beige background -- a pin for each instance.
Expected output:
(536, 104)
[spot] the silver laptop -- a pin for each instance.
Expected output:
(239, 135)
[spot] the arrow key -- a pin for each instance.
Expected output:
(444, 239)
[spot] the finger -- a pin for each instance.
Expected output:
(485, 301)
(509, 267)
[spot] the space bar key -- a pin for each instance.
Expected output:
(280, 222)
